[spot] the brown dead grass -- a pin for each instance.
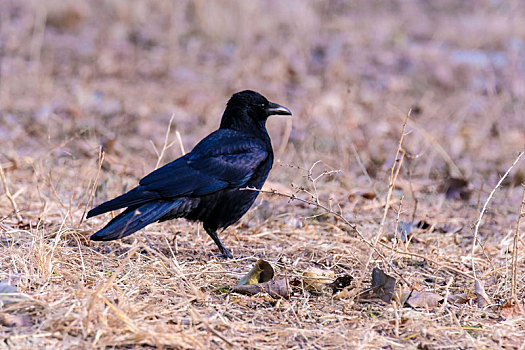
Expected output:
(78, 75)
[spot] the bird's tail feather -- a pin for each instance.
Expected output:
(132, 220)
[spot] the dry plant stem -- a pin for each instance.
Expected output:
(39, 28)
(438, 147)
(478, 223)
(394, 172)
(166, 139)
(97, 294)
(360, 163)
(179, 140)
(285, 137)
(451, 268)
(9, 196)
(92, 193)
(515, 247)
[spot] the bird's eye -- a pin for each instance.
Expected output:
(262, 105)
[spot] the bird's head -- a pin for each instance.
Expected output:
(248, 106)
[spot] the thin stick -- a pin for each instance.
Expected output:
(478, 223)
(92, 192)
(179, 140)
(166, 139)
(424, 257)
(391, 185)
(285, 137)
(446, 157)
(9, 196)
(360, 163)
(515, 247)
(37, 37)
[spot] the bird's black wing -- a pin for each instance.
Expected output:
(224, 159)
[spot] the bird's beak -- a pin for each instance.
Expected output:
(274, 108)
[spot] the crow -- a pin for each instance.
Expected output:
(205, 184)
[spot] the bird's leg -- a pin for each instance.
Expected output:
(224, 251)
(147, 239)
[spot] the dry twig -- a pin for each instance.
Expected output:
(93, 188)
(478, 223)
(9, 196)
(515, 247)
(394, 172)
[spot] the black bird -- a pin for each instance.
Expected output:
(205, 184)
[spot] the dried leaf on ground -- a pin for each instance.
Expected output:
(9, 294)
(261, 272)
(404, 229)
(456, 188)
(482, 298)
(275, 288)
(9, 320)
(461, 298)
(512, 308)
(383, 285)
(340, 283)
(428, 300)
(369, 195)
(315, 279)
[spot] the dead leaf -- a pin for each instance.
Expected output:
(482, 297)
(261, 272)
(369, 195)
(340, 283)
(383, 285)
(365, 194)
(456, 188)
(9, 294)
(461, 298)
(8, 320)
(315, 279)
(512, 308)
(275, 288)
(428, 300)
(404, 229)
(346, 293)
(5, 287)
(422, 224)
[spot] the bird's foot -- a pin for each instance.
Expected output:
(224, 254)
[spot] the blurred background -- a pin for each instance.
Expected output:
(83, 73)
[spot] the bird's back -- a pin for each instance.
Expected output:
(224, 207)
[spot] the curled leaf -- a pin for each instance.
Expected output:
(316, 279)
(482, 297)
(461, 298)
(383, 285)
(261, 272)
(275, 288)
(428, 300)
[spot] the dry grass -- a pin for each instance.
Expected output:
(79, 75)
